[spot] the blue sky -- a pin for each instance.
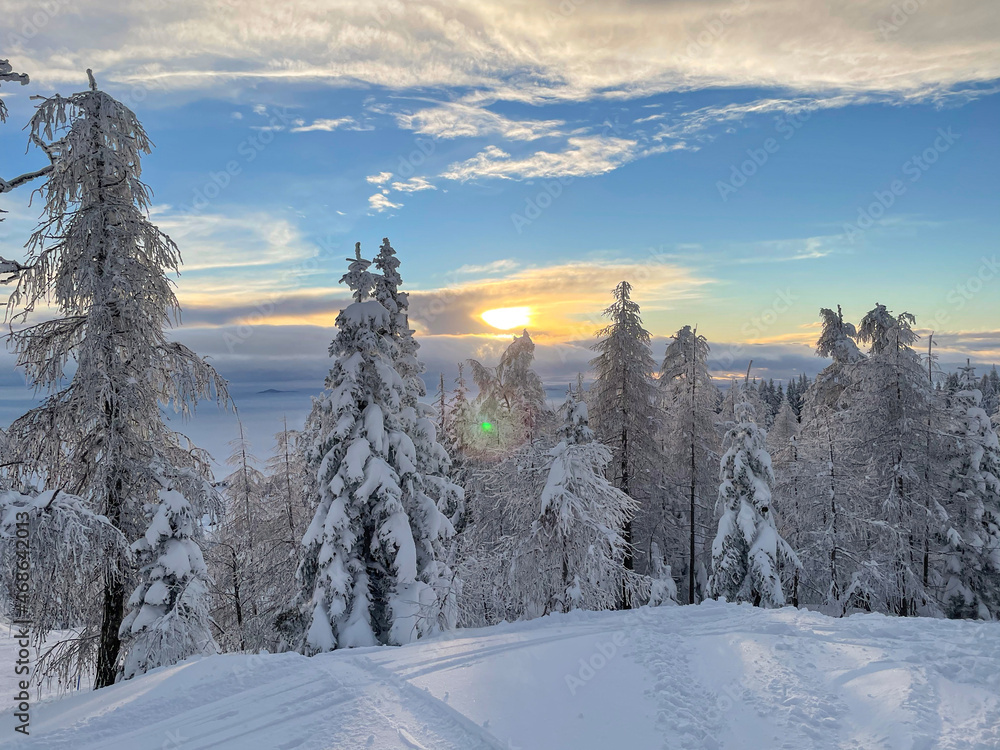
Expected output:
(727, 157)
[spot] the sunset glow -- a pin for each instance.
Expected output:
(506, 318)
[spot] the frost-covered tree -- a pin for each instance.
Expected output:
(624, 402)
(836, 340)
(359, 574)
(103, 265)
(791, 486)
(690, 399)
(747, 546)
(972, 544)
(461, 420)
(511, 402)
(168, 618)
(286, 472)
(250, 555)
(886, 428)
(69, 547)
(574, 555)
(825, 475)
(8, 74)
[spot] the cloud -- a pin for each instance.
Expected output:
(566, 299)
(206, 240)
(526, 51)
(783, 251)
(583, 156)
(498, 266)
(379, 179)
(380, 203)
(457, 120)
(413, 185)
(340, 123)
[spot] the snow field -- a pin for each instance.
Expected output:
(708, 677)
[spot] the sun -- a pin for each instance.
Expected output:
(506, 318)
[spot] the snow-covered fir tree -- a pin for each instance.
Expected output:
(574, 556)
(624, 401)
(360, 574)
(747, 546)
(972, 543)
(103, 265)
(168, 618)
(430, 492)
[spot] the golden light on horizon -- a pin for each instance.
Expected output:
(506, 318)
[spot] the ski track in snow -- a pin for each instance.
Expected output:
(711, 677)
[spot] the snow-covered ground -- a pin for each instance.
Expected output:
(711, 676)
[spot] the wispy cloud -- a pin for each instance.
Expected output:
(456, 120)
(329, 125)
(379, 179)
(413, 185)
(583, 156)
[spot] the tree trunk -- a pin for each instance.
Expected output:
(112, 615)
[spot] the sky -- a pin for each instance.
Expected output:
(742, 163)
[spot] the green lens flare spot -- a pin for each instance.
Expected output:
(486, 427)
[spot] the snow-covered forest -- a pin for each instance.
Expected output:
(394, 514)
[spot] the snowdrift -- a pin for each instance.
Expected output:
(712, 676)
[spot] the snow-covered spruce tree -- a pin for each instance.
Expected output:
(886, 430)
(168, 617)
(97, 258)
(359, 572)
(430, 496)
(690, 398)
(972, 544)
(747, 547)
(574, 556)
(623, 402)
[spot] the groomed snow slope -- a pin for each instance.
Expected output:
(711, 676)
